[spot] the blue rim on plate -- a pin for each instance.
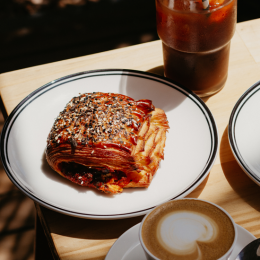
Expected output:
(96, 73)
(243, 100)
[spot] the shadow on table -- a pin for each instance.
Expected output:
(157, 70)
(16, 226)
(238, 180)
(16, 218)
(87, 228)
(196, 193)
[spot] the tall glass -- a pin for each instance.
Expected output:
(196, 42)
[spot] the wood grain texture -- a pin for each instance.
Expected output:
(250, 33)
(227, 185)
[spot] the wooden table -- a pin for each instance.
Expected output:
(227, 185)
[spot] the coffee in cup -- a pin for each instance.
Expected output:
(188, 229)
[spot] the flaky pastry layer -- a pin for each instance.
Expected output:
(108, 141)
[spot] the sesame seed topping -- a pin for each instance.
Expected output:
(93, 118)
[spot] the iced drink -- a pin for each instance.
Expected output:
(196, 42)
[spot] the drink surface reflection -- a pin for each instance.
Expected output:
(196, 42)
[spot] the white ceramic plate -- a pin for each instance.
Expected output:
(244, 132)
(190, 151)
(128, 247)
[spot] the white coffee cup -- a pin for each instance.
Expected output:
(187, 228)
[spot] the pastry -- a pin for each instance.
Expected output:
(107, 141)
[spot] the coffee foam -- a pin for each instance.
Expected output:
(188, 230)
(180, 231)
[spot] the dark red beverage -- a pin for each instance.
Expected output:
(196, 42)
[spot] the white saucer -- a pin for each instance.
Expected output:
(127, 246)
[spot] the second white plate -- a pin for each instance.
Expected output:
(244, 132)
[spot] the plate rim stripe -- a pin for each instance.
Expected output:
(154, 77)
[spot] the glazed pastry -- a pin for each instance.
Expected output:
(107, 141)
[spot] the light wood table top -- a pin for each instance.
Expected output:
(227, 185)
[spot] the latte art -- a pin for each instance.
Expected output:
(187, 229)
(179, 233)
